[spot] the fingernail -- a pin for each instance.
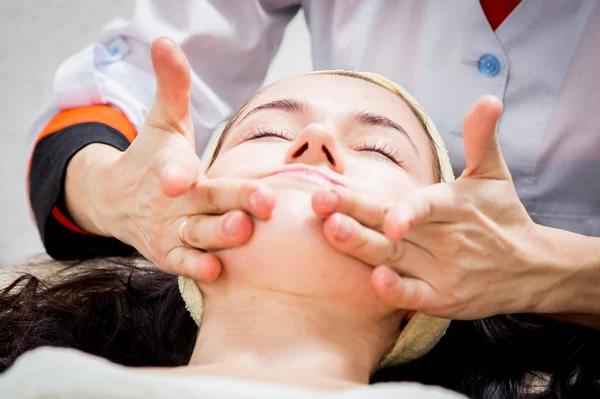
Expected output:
(329, 201)
(343, 229)
(230, 225)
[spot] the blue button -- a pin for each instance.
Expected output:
(489, 65)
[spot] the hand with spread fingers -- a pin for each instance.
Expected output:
(154, 196)
(462, 250)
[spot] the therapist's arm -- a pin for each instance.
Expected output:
(467, 249)
(63, 138)
(575, 298)
(103, 94)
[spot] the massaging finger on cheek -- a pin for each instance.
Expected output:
(314, 144)
(153, 195)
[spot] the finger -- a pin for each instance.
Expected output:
(360, 242)
(373, 248)
(179, 173)
(194, 264)
(435, 203)
(216, 196)
(406, 293)
(217, 232)
(482, 150)
(366, 209)
(171, 109)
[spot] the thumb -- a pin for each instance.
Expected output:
(482, 150)
(171, 109)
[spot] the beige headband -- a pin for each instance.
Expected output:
(421, 332)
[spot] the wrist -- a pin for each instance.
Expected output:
(86, 183)
(570, 272)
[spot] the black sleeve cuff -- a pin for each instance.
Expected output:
(46, 190)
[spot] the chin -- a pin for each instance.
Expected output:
(289, 253)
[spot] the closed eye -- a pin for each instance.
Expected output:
(269, 130)
(384, 150)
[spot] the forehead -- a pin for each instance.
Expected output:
(339, 95)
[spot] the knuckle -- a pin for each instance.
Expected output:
(163, 122)
(177, 263)
(418, 299)
(218, 230)
(379, 216)
(157, 124)
(210, 197)
(192, 234)
(360, 242)
(349, 201)
(428, 208)
(396, 253)
(184, 265)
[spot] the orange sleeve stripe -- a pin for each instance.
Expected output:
(93, 113)
(62, 219)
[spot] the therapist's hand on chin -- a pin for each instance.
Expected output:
(154, 196)
(466, 249)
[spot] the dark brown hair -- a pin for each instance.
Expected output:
(135, 316)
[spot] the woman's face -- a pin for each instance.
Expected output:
(303, 134)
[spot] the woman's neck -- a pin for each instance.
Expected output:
(282, 338)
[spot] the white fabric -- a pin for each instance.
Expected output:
(548, 78)
(69, 374)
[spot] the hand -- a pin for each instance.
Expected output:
(155, 196)
(459, 250)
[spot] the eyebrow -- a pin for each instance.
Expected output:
(287, 104)
(362, 117)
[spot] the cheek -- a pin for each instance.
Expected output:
(398, 189)
(384, 181)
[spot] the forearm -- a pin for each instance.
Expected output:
(85, 179)
(574, 261)
(58, 148)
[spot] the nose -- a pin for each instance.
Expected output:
(316, 145)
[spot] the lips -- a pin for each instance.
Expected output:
(308, 174)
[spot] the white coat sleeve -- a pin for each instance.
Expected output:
(229, 43)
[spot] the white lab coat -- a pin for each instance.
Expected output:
(547, 74)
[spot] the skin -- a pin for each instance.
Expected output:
(489, 240)
(143, 196)
(286, 291)
(274, 299)
(468, 249)
(326, 122)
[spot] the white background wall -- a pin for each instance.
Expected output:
(35, 36)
